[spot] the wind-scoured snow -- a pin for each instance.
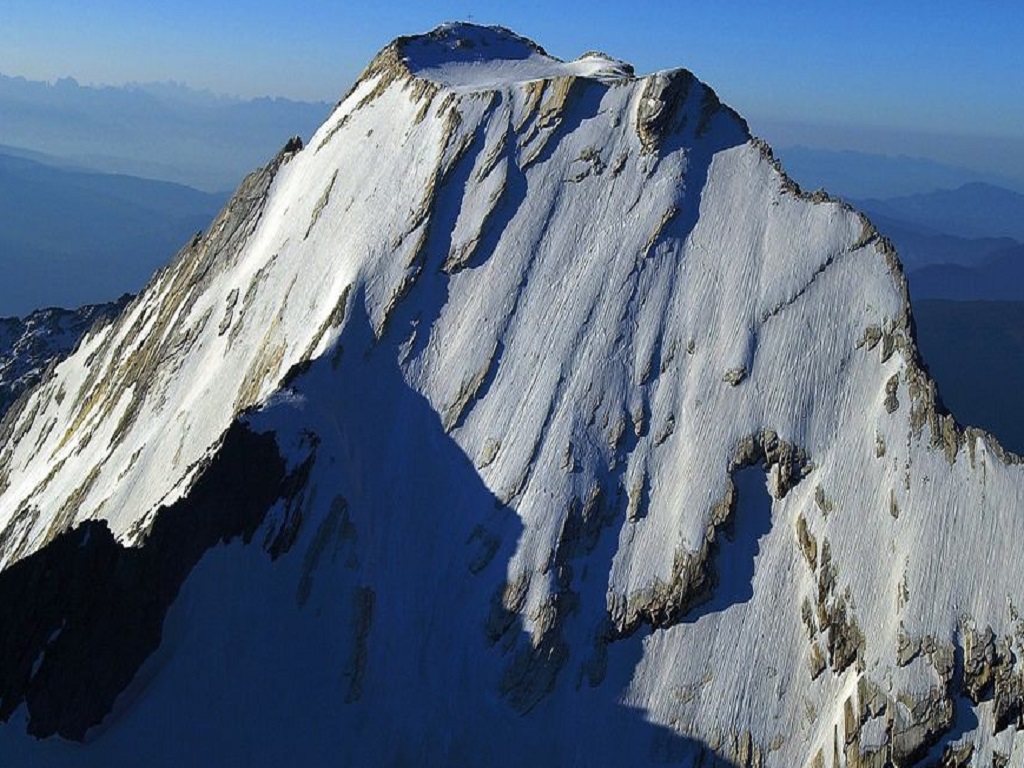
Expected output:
(623, 452)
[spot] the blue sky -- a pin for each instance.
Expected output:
(931, 69)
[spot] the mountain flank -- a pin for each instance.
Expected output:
(528, 414)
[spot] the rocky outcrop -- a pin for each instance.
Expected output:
(914, 729)
(660, 103)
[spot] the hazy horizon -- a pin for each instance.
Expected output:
(908, 80)
(996, 160)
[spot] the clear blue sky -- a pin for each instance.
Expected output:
(942, 68)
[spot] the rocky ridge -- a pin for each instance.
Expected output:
(29, 345)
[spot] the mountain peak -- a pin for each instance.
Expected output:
(461, 54)
(523, 396)
(464, 42)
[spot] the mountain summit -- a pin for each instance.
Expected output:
(528, 415)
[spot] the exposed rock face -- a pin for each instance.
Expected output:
(597, 442)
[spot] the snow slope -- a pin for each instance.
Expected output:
(602, 444)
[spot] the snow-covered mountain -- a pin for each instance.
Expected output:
(30, 344)
(528, 415)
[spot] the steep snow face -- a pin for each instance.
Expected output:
(603, 421)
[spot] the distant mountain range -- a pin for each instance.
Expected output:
(860, 175)
(959, 233)
(920, 247)
(971, 210)
(999, 277)
(71, 237)
(160, 131)
(963, 244)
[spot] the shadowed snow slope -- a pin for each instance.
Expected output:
(514, 326)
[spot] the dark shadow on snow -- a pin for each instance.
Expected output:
(435, 502)
(738, 545)
(80, 616)
(965, 718)
(430, 542)
(701, 139)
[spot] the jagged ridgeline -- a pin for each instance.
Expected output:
(528, 415)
